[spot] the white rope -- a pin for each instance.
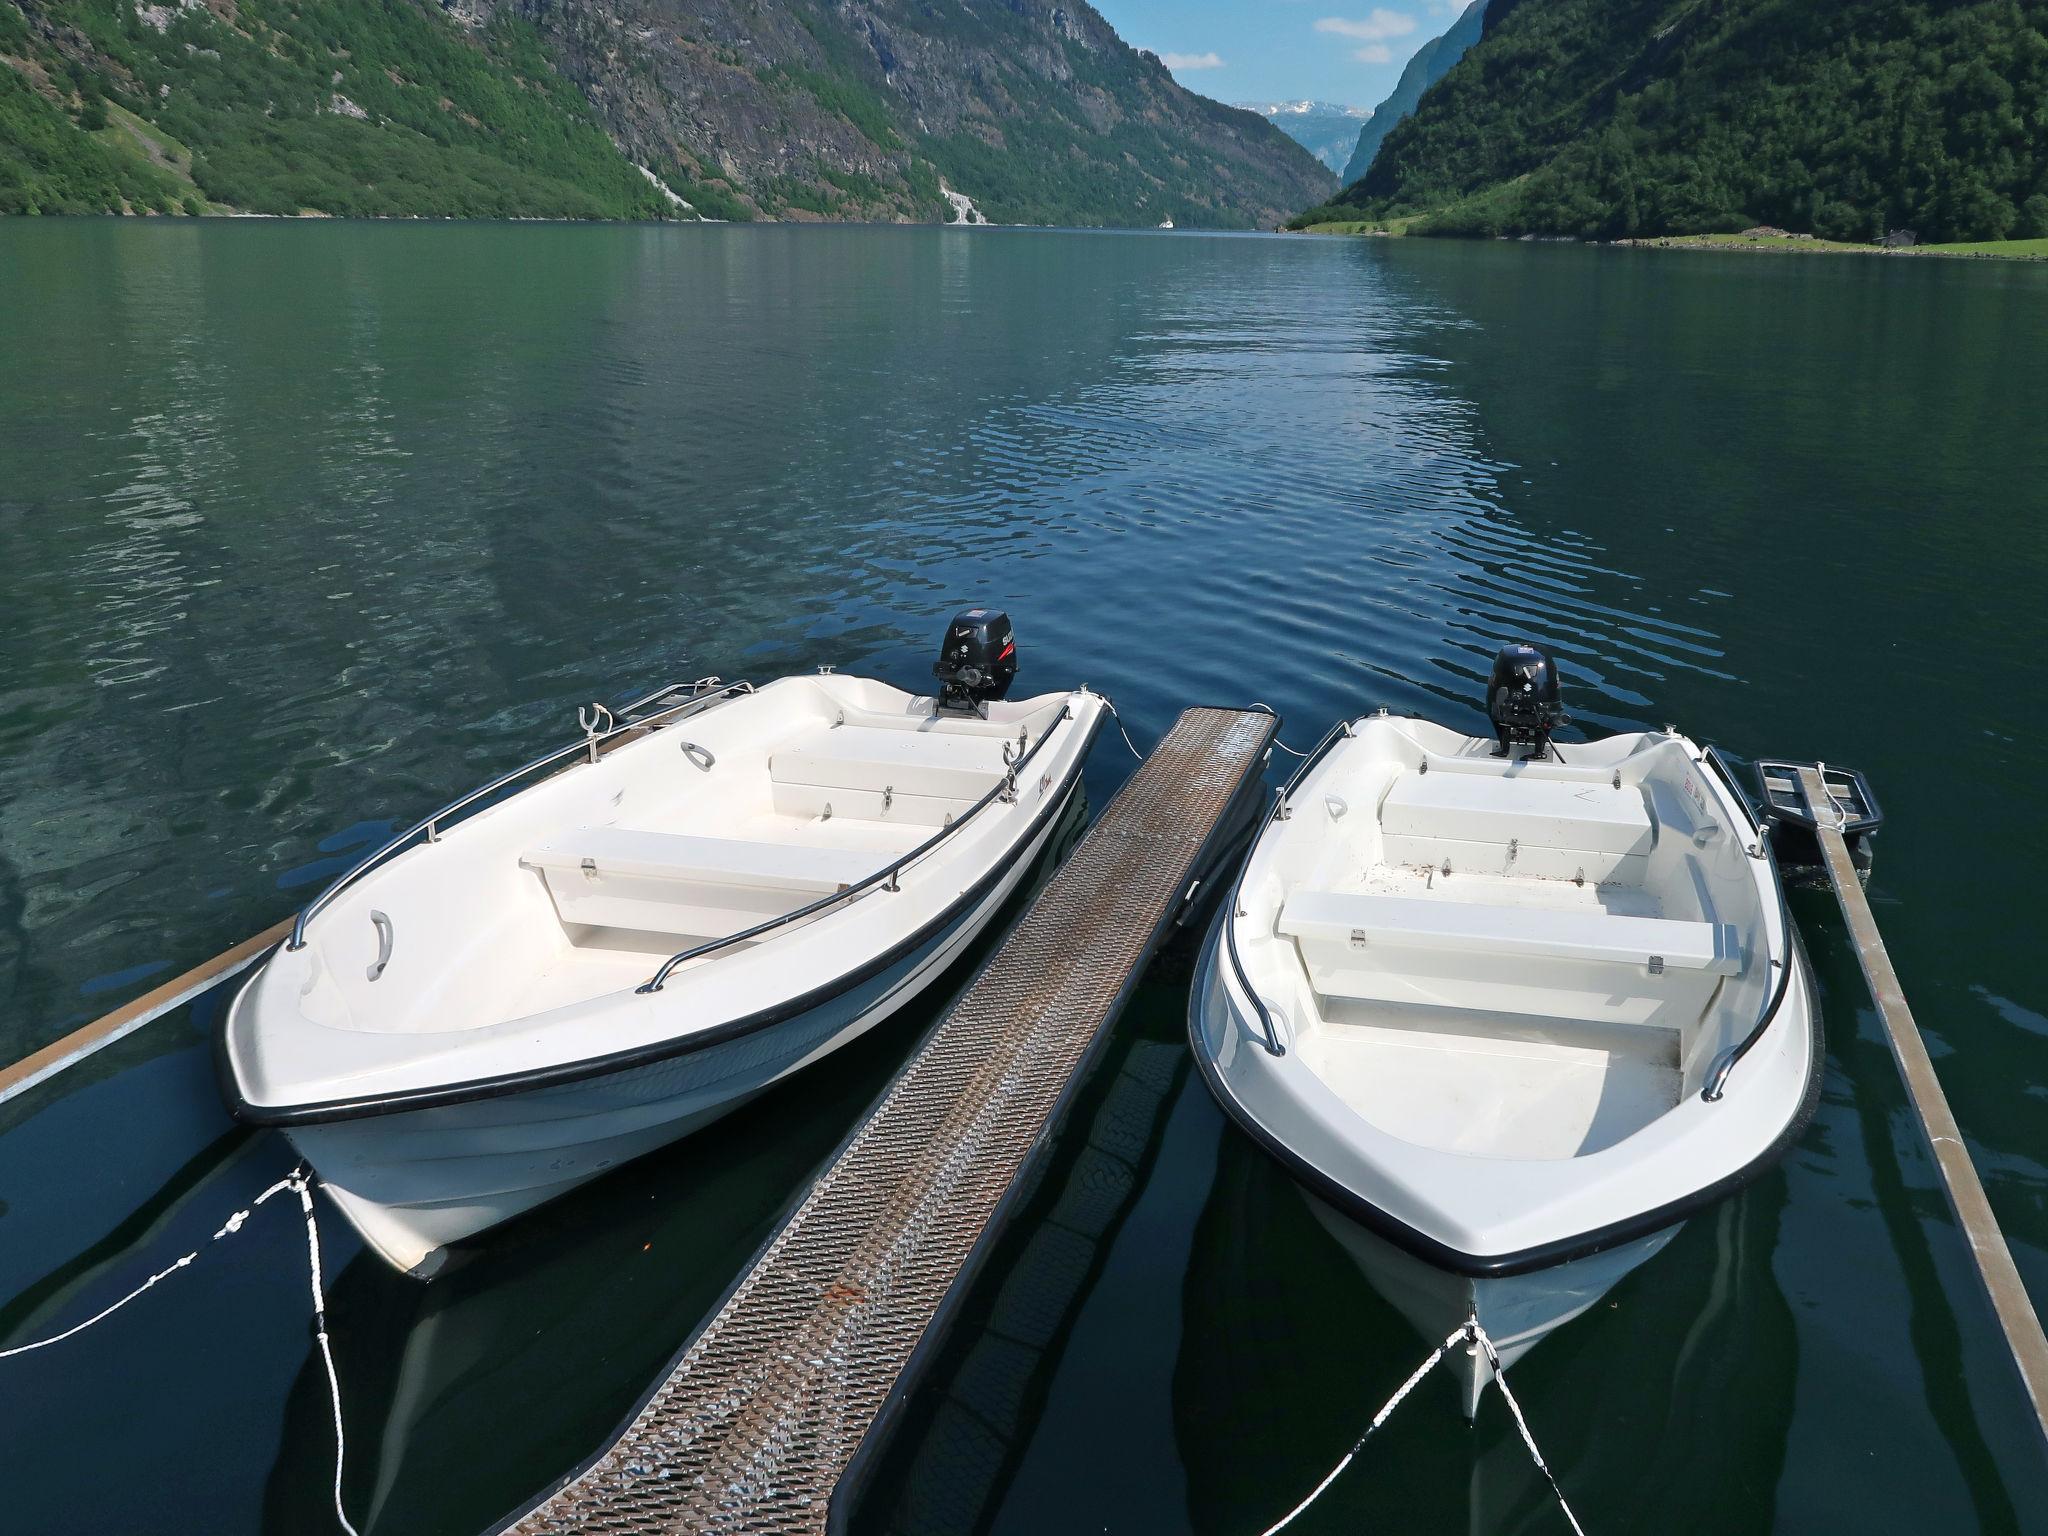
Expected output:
(300, 1181)
(304, 1185)
(1470, 1332)
(1378, 1419)
(1109, 705)
(1269, 709)
(1500, 1379)
(228, 1229)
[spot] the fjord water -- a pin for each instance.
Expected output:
(309, 527)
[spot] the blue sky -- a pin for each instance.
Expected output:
(1271, 50)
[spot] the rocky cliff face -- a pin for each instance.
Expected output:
(861, 109)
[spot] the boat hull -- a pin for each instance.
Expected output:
(412, 1182)
(1517, 1311)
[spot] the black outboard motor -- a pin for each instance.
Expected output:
(1523, 700)
(977, 660)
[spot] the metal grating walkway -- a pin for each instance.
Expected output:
(761, 1415)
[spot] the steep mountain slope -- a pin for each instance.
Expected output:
(842, 109)
(1432, 61)
(859, 108)
(1606, 118)
(1323, 128)
(275, 106)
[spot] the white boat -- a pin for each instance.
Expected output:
(695, 903)
(1509, 1013)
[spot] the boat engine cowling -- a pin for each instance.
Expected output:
(1523, 700)
(977, 660)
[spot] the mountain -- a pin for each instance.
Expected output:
(788, 109)
(1035, 109)
(1610, 118)
(1432, 61)
(1324, 129)
(278, 106)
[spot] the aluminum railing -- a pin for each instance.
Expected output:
(1339, 732)
(1725, 1063)
(636, 716)
(886, 877)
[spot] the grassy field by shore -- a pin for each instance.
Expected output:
(1997, 250)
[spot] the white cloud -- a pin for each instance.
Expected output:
(1180, 61)
(1373, 53)
(1378, 25)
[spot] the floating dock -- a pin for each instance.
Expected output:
(756, 1425)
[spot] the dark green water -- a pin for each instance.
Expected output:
(306, 528)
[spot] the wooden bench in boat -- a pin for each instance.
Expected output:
(666, 882)
(1586, 965)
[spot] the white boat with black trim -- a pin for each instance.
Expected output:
(1509, 1014)
(684, 908)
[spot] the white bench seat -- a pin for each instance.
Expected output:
(1488, 823)
(1584, 964)
(1590, 817)
(1362, 919)
(930, 763)
(670, 883)
(621, 851)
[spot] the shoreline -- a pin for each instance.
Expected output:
(1804, 245)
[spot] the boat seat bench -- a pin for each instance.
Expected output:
(664, 882)
(1484, 824)
(909, 762)
(925, 778)
(1587, 965)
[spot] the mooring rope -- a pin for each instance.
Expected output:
(1470, 1332)
(1500, 1379)
(1110, 705)
(300, 1182)
(1269, 709)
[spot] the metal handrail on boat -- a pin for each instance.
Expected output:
(1725, 1063)
(1005, 792)
(703, 694)
(1336, 733)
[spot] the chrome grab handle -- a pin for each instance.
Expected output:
(383, 925)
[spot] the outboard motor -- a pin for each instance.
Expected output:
(977, 660)
(1523, 700)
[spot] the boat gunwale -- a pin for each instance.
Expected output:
(585, 1068)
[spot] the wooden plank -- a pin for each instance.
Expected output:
(40, 1066)
(1965, 1191)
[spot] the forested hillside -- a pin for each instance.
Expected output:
(1842, 118)
(739, 109)
(278, 106)
(1430, 63)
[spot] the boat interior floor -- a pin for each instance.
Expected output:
(1490, 1094)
